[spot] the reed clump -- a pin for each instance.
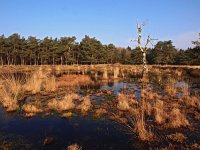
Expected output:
(123, 102)
(192, 101)
(159, 113)
(170, 88)
(66, 103)
(177, 137)
(74, 147)
(40, 80)
(74, 80)
(34, 81)
(50, 84)
(140, 128)
(177, 119)
(11, 91)
(31, 110)
(100, 111)
(135, 115)
(85, 104)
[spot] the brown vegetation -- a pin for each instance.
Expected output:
(123, 102)
(50, 84)
(11, 91)
(140, 129)
(99, 112)
(66, 103)
(177, 119)
(177, 137)
(74, 80)
(74, 147)
(159, 112)
(30, 110)
(170, 88)
(40, 80)
(164, 110)
(85, 104)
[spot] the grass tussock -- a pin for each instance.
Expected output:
(50, 84)
(159, 112)
(177, 137)
(140, 129)
(123, 102)
(100, 111)
(148, 108)
(31, 108)
(170, 88)
(85, 104)
(11, 91)
(34, 82)
(67, 114)
(66, 103)
(61, 105)
(193, 101)
(74, 80)
(177, 119)
(178, 72)
(74, 147)
(40, 80)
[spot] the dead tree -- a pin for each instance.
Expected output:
(139, 41)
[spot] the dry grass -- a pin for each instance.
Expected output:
(85, 104)
(136, 123)
(50, 84)
(178, 72)
(74, 147)
(160, 116)
(11, 91)
(67, 115)
(192, 101)
(40, 80)
(177, 119)
(156, 71)
(58, 70)
(105, 74)
(31, 108)
(141, 130)
(177, 137)
(123, 102)
(34, 82)
(116, 72)
(74, 80)
(170, 88)
(65, 104)
(185, 89)
(99, 112)
(148, 108)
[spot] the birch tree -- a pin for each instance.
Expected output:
(139, 41)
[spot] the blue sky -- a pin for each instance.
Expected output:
(110, 21)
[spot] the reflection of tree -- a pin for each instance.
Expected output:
(144, 133)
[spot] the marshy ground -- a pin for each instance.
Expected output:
(99, 107)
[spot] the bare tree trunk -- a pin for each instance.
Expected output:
(41, 61)
(12, 60)
(8, 60)
(35, 61)
(30, 61)
(1, 60)
(61, 60)
(139, 27)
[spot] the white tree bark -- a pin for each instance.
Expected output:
(143, 50)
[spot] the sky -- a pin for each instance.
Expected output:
(110, 21)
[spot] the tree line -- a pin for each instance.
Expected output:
(16, 50)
